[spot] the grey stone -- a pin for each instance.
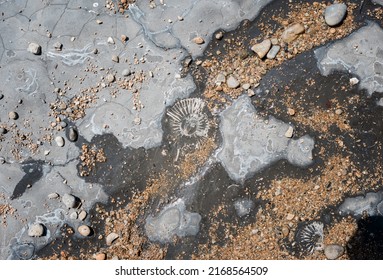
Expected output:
(110, 78)
(53, 195)
(232, 82)
(13, 115)
(261, 49)
(69, 200)
(72, 134)
(73, 215)
(3, 130)
(36, 230)
(342, 56)
(126, 72)
(333, 251)
(273, 51)
(251, 143)
(34, 48)
(221, 78)
(335, 14)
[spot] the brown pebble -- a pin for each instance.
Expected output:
(100, 257)
(332, 30)
(124, 38)
(198, 40)
(115, 58)
(291, 111)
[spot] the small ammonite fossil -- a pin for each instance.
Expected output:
(188, 119)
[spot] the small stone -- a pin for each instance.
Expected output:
(290, 131)
(110, 40)
(273, 52)
(82, 215)
(100, 257)
(232, 82)
(219, 35)
(46, 152)
(221, 78)
(333, 251)
(338, 111)
(111, 238)
(124, 38)
(72, 39)
(53, 195)
(335, 14)
(58, 46)
(99, 21)
(246, 86)
(36, 230)
(261, 49)
(198, 40)
(291, 111)
(3, 130)
(1, 96)
(95, 51)
(84, 230)
(63, 124)
(73, 216)
(332, 30)
(289, 217)
(69, 200)
(180, 18)
(60, 141)
(110, 78)
(250, 92)
(115, 58)
(126, 72)
(274, 41)
(292, 32)
(72, 134)
(13, 115)
(34, 48)
(354, 81)
(2, 160)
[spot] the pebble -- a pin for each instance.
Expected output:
(292, 32)
(63, 124)
(100, 257)
(273, 52)
(72, 134)
(60, 141)
(53, 195)
(13, 115)
(2, 160)
(36, 230)
(338, 111)
(115, 58)
(73, 216)
(261, 49)
(1, 96)
(58, 46)
(99, 21)
(110, 40)
(84, 230)
(46, 152)
(291, 111)
(198, 40)
(124, 38)
(111, 238)
(221, 78)
(232, 82)
(333, 251)
(290, 131)
(246, 86)
(289, 217)
(219, 35)
(82, 215)
(69, 200)
(250, 92)
(354, 81)
(126, 72)
(34, 48)
(110, 78)
(3, 130)
(335, 14)
(274, 41)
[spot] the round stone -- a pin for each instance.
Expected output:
(100, 257)
(292, 32)
(53, 195)
(36, 230)
(3, 130)
(198, 40)
(335, 14)
(84, 230)
(333, 251)
(73, 216)
(82, 215)
(60, 141)
(2, 160)
(69, 200)
(110, 78)
(261, 49)
(126, 72)
(13, 115)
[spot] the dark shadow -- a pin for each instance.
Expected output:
(367, 243)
